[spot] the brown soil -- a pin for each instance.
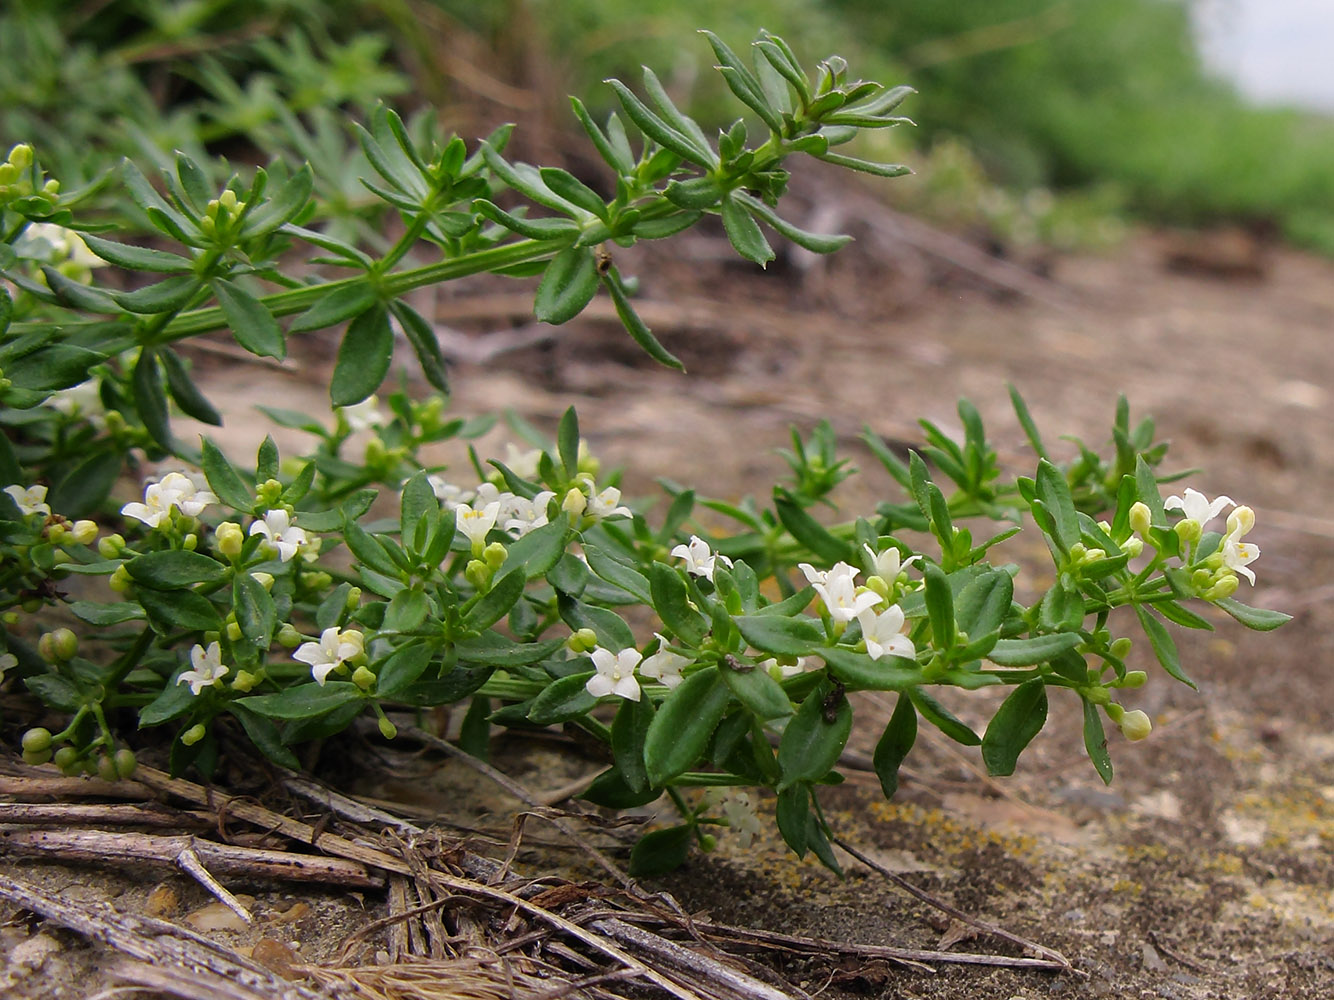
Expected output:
(1206, 869)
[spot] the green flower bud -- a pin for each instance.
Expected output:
(575, 502)
(1115, 712)
(32, 605)
(229, 538)
(36, 759)
(387, 729)
(244, 681)
(190, 542)
(84, 532)
(194, 734)
(478, 574)
(228, 200)
(1188, 530)
(1121, 647)
(268, 493)
(1225, 587)
(106, 768)
(879, 585)
(233, 631)
(120, 580)
(353, 599)
(317, 581)
(265, 580)
(51, 188)
(126, 763)
(363, 678)
(69, 761)
(10, 618)
(56, 532)
(289, 637)
(581, 641)
(1097, 695)
(707, 842)
(495, 555)
(1240, 521)
(21, 156)
(1135, 726)
(1134, 679)
(36, 740)
(58, 646)
(110, 546)
(1141, 519)
(1132, 547)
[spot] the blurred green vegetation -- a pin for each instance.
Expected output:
(1104, 102)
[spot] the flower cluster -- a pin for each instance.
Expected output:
(882, 631)
(618, 673)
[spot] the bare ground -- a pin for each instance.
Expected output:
(1205, 870)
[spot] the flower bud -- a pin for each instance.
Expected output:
(228, 200)
(1225, 587)
(1141, 520)
(68, 760)
(363, 678)
(51, 188)
(56, 532)
(36, 758)
(106, 768)
(1096, 695)
(1132, 547)
(84, 532)
(495, 555)
(1134, 679)
(478, 574)
(21, 156)
(387, 729)
(879, 585)
(1115, 712)
(32, 605)
(707, 842)
(581, 641)
(244, 681)
(1240, 521)
(10, 618)
(268, 493)
(126, 763)
(110, 546)
(58, 646)
(194, 734)
(230, 538)
(575, 502)
(36, 740)
(265, 580)
(289, 637)
(1135, 726)
(1120, 648)
(120, 580)
(190, 542)
(1188, 530)
(233, 631)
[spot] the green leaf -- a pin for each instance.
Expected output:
(364, 356)
(76, 295)
(562, 701)
(1020, 718)
(612, 632)
(894, 744)
(103, 615)
(169, 295)
(567, 442)
(792, 813)
(809, 532)
(744, 234)
(865, 166)
(568, 285)
(940, 717)
(422, 337)
(185, 393)
(815, 736)
(223, 480)
(406, 611)
(136, 258)
(613, 571)
(984, 603)
(1026, 422)
(304, 701)
(759, 692)
(671, 600)
(151, 400)
(611, 790)
(417, 502)
(368, 550)
(782, 636)
(265, 736)
(660, 852)
(497, 601)
(336, 307)
(475, 732)
(859, 672)
(1147, 485)
(940, 606)
(615, 157)
(636, 327)
(539, 550)
(814, 242)
(1032, 651)
(1054, 492)
(1164, 647)
(1259, 619)
(679, 733)
(1095, 742)
(629, 730)
(283, 207)
(493, 650)
(742, 82)
(168, 570)
(179, 609)
(402, 667)
(565, 185)
(256, 612)
(251, 323)
(657, 129)
(56, 366)
(174, 701)
(86, 487)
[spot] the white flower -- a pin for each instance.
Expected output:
(522, 463)
(333, 650)
(699, 558)
(7, 661)
(157, 505)
(447, 493)
(526, 515)
(282, 534)
(1198, 507)
(883, 633)
(83, 400)
(53, 244)
(742, 819)
(888, 564)
(363, 415)
(616, 673)
(191, 496)
(782, 671)
(208, 668)
(604, 504)
(838, 590)
(29, 499)
(1238, 555)
(664, 666)
(475, 521)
